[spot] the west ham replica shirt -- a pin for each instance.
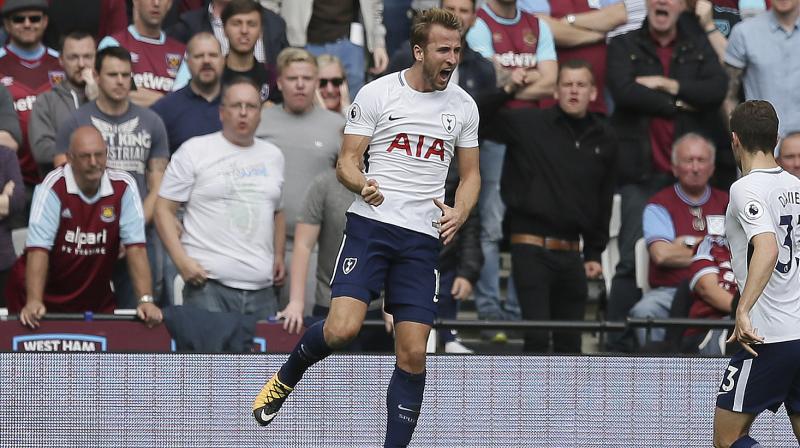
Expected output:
(155, 61)
(26, 78)
(82, 236)
(414, 136)
(768, 201)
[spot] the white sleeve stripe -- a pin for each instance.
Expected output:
(707, 270)
(128, 179)
(37, 208)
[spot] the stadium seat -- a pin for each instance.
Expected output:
(18, 236)
(642, 265)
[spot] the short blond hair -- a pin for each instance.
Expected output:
(421, 27)
(289, 55)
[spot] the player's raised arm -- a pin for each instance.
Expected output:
(348, 169)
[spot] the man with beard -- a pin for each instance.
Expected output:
(53, 107)
(242, 22)
(413, 121)
(194, 109)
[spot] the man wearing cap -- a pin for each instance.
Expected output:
(27, 68)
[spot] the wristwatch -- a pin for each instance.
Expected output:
(147, 298)
(571, 19)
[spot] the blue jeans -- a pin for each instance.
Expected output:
(492, 210)
(215, 297)
(655, 303)
(352, 57)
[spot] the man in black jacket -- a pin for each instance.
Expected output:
(666, 80)
(558, 184)
(273, 27)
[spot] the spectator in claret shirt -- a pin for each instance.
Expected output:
(82, 214)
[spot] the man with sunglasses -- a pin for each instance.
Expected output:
(27, 68)
(675, 220)
(309, 137)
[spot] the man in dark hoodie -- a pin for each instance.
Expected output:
(54, 106)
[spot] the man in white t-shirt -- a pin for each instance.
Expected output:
(402, 132)
(230, 251)
(761, 226)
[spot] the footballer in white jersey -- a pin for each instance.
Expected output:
(413, 139)
(762, 225)
(768, 201)
(402, 132)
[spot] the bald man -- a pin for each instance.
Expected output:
(789, 153)
(82, 214)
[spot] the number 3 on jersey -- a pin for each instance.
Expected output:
(788, 242)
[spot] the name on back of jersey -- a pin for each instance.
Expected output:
(789, 197)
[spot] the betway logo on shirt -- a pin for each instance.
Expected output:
(153, 82)
(24, 104)
(511, 59)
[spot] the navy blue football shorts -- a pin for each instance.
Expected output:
(753, 384)
(375, 256)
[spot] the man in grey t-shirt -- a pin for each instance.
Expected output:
(322, 221)
(309, 137)
(137, 143)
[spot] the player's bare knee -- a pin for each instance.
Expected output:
(411, 359)
(339, 334)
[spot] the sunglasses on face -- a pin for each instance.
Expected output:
(20, 19)
(323, 82)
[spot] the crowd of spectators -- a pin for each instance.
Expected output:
(221, 121)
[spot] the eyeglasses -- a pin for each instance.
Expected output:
(20, 19)
(323, 82)
(247, 107)
(698, 222)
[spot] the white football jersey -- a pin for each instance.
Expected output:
(413, 138)
(768, 201)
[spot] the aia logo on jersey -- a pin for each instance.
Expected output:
(173, 63)
(56, 77)
(107, 214)
(401, 141)
(449, 122)
(348, 265)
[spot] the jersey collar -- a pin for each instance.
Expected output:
(685, 198)
(774, 170)
(72, 186)
(148, 40)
